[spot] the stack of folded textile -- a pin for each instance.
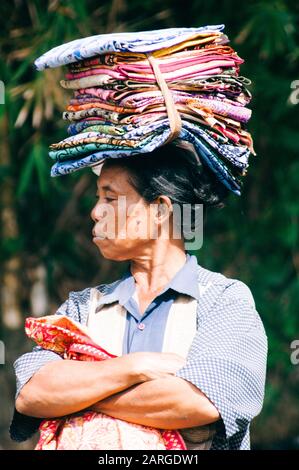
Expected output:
(133, 92)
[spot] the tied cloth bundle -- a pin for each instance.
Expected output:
(134, 92)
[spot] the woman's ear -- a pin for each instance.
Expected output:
(164, 208)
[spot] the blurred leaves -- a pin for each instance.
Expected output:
(35, 161)
(270, 29)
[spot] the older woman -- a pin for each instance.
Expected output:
(192, 347)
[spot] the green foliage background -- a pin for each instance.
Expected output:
(45, 221)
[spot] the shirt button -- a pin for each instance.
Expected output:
(141, 326)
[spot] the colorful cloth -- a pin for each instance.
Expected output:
(88, 429)
(118, 107)
(239, 154)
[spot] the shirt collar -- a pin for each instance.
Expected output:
(185, 281)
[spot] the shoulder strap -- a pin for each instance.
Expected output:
(107, 326)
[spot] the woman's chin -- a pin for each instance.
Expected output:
(102, 243)
(105, 247)
(113, 249)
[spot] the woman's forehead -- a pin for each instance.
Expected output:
(114, 179)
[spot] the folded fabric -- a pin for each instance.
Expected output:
(141, 41)
(216, 106)
(208, 156)
(134, 138)
(133, 92)
(88, 429)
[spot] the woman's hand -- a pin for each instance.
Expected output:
(155, 365)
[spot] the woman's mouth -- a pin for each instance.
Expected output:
(97, 236)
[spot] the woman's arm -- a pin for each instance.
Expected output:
(63, 387)
(166, 403)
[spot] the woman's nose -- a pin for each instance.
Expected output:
(93, 213)
(97, 211)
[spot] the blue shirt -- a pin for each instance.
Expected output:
(146, 332)
(227, 357)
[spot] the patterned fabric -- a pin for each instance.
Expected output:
(97, 431)
(140, 41)
(208, 156)
(89, 430)
(227, 358)
(118, 109)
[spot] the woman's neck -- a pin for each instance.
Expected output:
(152, 271)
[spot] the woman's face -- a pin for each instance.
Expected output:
(125, 224)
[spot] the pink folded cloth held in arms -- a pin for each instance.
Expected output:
(88, 429)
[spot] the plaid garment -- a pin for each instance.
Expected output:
(226, 361)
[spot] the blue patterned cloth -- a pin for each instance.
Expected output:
(206, 147)
(140, 41)
(226, 361)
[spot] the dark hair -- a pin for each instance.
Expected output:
(175, 172)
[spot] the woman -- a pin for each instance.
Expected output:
(216, 382)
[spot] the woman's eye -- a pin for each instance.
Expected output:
(107, 199)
